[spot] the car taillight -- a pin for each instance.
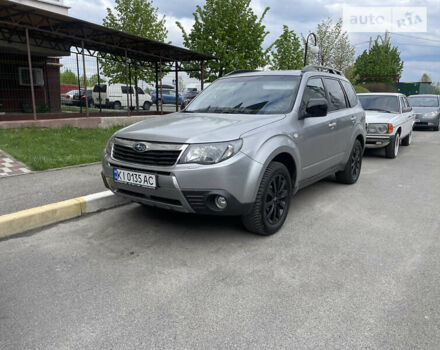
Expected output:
(107, 100)
(84, 97)
(68, 97)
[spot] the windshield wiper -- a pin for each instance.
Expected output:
(379, 110)
(238, 109)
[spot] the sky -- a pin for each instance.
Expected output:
(419, 51)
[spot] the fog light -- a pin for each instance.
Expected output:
(221, 202)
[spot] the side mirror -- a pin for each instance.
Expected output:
(316, 107)
(408, 109)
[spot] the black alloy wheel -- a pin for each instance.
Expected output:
(276, 199)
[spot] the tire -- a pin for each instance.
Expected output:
(392, 149)
(117, 105)
(147, 106)
(271, 205)
(436, 128)
(353, 167)
(406, 141)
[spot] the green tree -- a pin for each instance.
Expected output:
(68, 77)
(426, 78)
(137, 17)
(381, 63)
(230, 31)
(287, 52)
(335, 49)
(93, 80)
(437, 88)
(350, 74)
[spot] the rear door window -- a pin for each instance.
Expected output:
(100, 88)
(351, 94)
(335, 95)
(124, 89)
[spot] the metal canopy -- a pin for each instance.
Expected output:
(58, 32)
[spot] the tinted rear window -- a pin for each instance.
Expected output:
(336, 96)
(100, 88)
(351, 94)
(124, 89)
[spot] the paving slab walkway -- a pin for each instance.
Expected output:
(9, 166)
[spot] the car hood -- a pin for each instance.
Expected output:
(423, 110)
(380, 117)
(195, 127)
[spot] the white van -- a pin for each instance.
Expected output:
(115, 96)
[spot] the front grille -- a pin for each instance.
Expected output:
(160, 158)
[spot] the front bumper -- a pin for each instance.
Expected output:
(427, 121)
(377, 141)
(191, 188)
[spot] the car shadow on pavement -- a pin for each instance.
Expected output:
(186, 222)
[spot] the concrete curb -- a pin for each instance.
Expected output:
(25, 220)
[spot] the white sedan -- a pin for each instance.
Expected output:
(390, 120)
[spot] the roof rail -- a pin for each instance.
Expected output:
(239, 71)
(313, 68)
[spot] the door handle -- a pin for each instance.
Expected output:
(332, 125)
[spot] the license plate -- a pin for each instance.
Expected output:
(134, 178)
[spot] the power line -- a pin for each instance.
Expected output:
(415, 37)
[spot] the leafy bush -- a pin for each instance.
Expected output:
(43, 108)
(360, 89)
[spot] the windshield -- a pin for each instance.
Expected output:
(190, 94)
(381, 103)
(268, 94)
(423, 101)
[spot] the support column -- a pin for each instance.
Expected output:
(85, 80)
(31, 77)
(136, 87)
(157, 87)
(126, 82)
(79, 81)
(161, 88)
(99, 85)
(177, 88)
(202, 76)
(130, 87)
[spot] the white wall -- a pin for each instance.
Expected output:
(57, 6)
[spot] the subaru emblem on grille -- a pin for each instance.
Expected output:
(140, 147)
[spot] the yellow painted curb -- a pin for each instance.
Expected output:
(29, 219)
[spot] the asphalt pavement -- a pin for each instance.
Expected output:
(354, 267)
(44, 187)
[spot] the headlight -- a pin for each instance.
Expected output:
(429, 115)
(110, 142)
(376, 128)
(211, 153)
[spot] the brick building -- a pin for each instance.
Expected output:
(15, 92)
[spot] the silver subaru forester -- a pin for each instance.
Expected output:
(243, 147)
